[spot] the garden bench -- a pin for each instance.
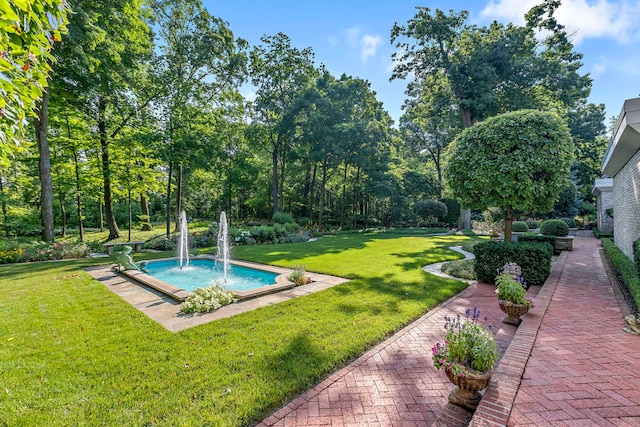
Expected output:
(136, 245)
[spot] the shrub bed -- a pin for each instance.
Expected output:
(461, 268)
(519, 226)
(627, 271)
(533, 257)
(41, 251)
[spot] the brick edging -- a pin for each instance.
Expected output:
(497, 402)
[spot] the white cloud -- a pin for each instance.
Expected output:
(618, 20)
(365, 44)
(249, 96)
(369, 45)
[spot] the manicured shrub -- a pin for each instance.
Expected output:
(570, 222)
(626, 269)
(544, 239)
(519, 226)
(554, 227)
(282, 218)
(453, 212)
(533, 224)
(636, 254)
(430, 210)
(534, 258)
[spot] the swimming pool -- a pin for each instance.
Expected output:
(205, 272)
(247, 280)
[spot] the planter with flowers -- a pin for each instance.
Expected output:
(467, 356)
(512, 293)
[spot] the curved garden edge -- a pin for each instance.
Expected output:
(436, 268)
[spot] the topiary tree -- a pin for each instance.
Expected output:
(517, 160)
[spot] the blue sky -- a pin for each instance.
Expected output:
(353, 36)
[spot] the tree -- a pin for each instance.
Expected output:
(493, 69)
(279, 72)
(515, 161)
(28, 30)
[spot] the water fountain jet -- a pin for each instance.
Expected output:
(223, 244)
(183, 242)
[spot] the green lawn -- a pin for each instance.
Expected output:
(73, 353)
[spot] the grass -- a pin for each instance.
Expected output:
(73, 353)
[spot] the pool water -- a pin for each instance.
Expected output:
(205, 272)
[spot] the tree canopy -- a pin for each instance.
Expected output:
(515, 161)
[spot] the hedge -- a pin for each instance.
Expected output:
(533, 257)
(626, 269)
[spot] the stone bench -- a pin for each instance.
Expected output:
(137, 246)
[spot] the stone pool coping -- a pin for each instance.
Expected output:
(165, 310)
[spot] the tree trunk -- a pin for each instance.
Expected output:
(323, 187)
(168, 217)
(100, 204)
(312, 190)
(41, 125)
(178, 197)
(76, 167)
(5, 218)
(144, 207)
(114, 231)
(130, 216)
(508, 221)
(63, 213)
(464, 222)
(274, 179)
(343, 197)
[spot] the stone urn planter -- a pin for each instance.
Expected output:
(513, 311)
(563, 243)
(467, 393)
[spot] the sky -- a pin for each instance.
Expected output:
(353, 37)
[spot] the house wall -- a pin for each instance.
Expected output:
(626, 205)
(604, 202)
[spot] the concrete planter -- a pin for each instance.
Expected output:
(564, 243)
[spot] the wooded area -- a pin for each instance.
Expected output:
(143, 118)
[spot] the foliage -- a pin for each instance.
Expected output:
(571, 222)
(533, 224)
(519, 226)
(207, 299)
(430, 210)
(636, 255)
(567, 201)
(453, 212)
(554, 227)
(625, 268)
(538, 238)
(515, 161)
(298, 275)
(239, 368)
(462, 269)
(282, 218)
(468, 347)
(42, 251)
(512, 290)
(28, 30)
(534, 259)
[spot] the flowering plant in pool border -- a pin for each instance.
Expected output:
(205, 300)
(469, 347)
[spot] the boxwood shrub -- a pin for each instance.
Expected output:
(554, 227)
(636, 254)
(626, 269)
(533, 257)
(519, 226)
(545, 239)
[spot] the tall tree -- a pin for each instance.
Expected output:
(279, 72)
(492, 69)
(200, 67)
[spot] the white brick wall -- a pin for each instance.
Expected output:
(604, 202)
(626, 205)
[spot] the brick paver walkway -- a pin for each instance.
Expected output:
(395, 383)
(583, 370)
(568, 364)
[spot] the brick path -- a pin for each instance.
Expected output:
(569, 364)
(583, 370)
(395, 383)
